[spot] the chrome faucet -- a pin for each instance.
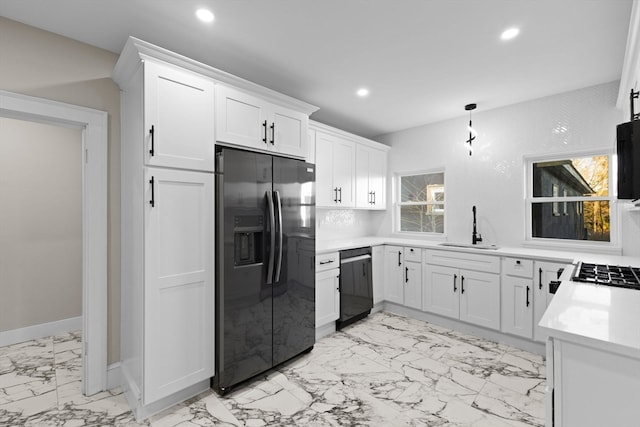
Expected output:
(475, 236)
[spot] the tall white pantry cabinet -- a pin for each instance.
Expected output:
(170, 126)
(167, 240)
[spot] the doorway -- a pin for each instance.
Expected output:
(92, 126)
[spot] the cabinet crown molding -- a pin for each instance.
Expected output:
(136, 50)
(346, 135)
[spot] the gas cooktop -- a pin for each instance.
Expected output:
(611, 275)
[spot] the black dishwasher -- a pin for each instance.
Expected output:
(356, 288)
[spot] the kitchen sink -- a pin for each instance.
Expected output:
(468, 245)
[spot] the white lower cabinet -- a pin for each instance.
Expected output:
(377, 267)
(327, 288)
(544, 273)
(590, 387)
(403, 276)
(327, 296)
(460, 293)
(517, 297)
(440, 291)
(413, 284)
(393, 273)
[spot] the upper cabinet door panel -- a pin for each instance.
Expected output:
(178, 115)
(240, 118)
(364, 196)
(371, 171)
(288, 132)
(326, 194)
(378, 178)
(344, 172)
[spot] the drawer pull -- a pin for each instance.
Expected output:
(329, 261)
(528, 297)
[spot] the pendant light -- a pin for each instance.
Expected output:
(472, 131)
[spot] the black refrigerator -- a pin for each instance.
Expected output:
(265, 269)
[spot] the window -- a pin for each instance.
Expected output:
(421, 204)
(570, 199)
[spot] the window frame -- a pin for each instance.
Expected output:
(613, 245)
(398, 204)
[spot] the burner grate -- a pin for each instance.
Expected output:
(611, 275)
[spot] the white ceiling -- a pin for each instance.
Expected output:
(422, 60)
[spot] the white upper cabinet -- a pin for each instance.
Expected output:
(371, 172)
(178, 118)
(335, 174)
(350, 171)
(249, 121)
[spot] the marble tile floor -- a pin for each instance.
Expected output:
(386, 370)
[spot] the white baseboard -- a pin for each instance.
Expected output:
(114, 376)
(42, 330)
(324, 330)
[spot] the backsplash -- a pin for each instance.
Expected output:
(346, 223)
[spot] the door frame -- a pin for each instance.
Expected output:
(94, 126)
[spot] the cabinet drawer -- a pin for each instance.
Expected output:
(464, 260)
(412, 254)
(327, 261)
(517, 267)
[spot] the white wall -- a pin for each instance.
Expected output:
(493, 178)
(40, 223)
(346, 223)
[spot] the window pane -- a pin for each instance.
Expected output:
(423, 218)
(578, 221)
(584, 176)
(422, 188)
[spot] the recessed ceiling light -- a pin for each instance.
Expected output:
(509, 33)
(205, 15)
(362, 92)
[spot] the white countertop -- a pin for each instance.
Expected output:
(603, 317)
(324, 246)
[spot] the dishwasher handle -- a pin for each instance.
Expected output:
(354, 259)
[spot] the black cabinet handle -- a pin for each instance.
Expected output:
(462, 285)
(374, 197)
(273, 133)
(399, 255)
(329, 261)
(455, 277)
(370, 201)
(406, 274)
(527, 296)
(264, 125)
(340, 191)
(152, 132)
(540, 278)
(152, 202)
(335, 195)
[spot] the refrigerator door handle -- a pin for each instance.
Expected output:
(272, 224)
(279, 265)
